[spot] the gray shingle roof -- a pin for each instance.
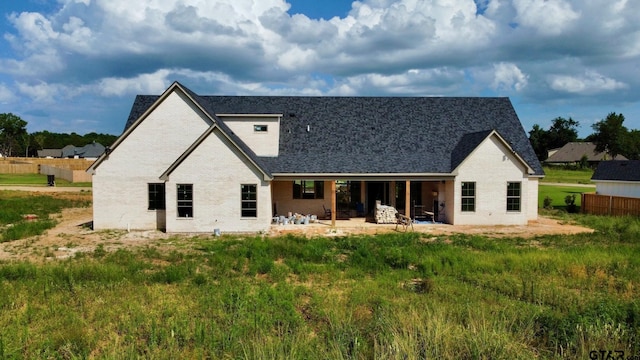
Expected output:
(369, 135)
(574, 151)
(92, 150)
(618, 170)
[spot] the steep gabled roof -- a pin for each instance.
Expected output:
(372, 135)
(617, 170)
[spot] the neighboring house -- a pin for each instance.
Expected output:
(50, 153)
(190, 163)
(573, 152)
(618, 178)
(90, 152)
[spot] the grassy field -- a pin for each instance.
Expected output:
(392, 296)
(36, 180)
(559, 193)
(14, 205)
(555, 174)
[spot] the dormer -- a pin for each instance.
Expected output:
(261, 132)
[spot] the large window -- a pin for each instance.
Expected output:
(156, 197)
(468, 196)
(185, 200)
(249, 200)
(513, 196)
(308, 189)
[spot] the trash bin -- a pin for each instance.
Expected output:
(51, 180)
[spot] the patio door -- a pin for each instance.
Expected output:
(377, 191)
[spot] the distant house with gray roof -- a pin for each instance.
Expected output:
(90, 152)
(192, 163)
(50, 153)
(618, 178)
(573, 152)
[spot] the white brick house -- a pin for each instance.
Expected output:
(190, 163)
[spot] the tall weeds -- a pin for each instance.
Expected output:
(392, 296)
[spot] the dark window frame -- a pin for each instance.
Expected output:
(156, 196)
(468, 196)
(514, 196)
(260, 128)
(302, 189)
(249, 200)
(184, 198)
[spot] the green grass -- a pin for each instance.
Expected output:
(561, 175)
(391, 296)
(15, 204)
(36, 180)
(559, 193)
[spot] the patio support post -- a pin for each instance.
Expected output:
(333, 203)
(407, 198)
(363, 197)
(392, 193)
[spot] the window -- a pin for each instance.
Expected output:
(185, 200)
(260, 128)
(468, 196)
(249, 206)
(156, 197)
(513, 196)
(308, 189)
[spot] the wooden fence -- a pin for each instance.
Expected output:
(610, 205)
(72, 170)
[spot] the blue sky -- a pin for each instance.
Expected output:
(76, 65)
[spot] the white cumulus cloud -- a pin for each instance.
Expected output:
(587, 84)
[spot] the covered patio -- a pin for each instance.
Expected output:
(354, 199)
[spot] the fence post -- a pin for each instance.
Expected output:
(610, 203)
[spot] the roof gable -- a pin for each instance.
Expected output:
(617, 170)
(216, 127)
(141, 109)
(470, 142)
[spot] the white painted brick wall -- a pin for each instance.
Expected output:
(262, 143)
(120, 197)
(491, 166)
(216, 169)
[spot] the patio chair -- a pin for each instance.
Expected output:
(327, 212)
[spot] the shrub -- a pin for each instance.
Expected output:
(548, 203)
(570, 200)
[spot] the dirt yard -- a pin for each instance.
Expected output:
(73, 234)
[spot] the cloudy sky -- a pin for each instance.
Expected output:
(76, 65)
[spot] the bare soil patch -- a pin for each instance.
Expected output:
(73, 234)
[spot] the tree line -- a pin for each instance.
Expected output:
(16, 141)
(609, 136)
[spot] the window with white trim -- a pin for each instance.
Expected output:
(514, 196)
(468, 203)
(249, 202)
(185, 200)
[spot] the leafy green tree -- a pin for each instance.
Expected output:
(632, 145)
(562, 131)
(610, 135)
(539, 141)
(12, 130)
